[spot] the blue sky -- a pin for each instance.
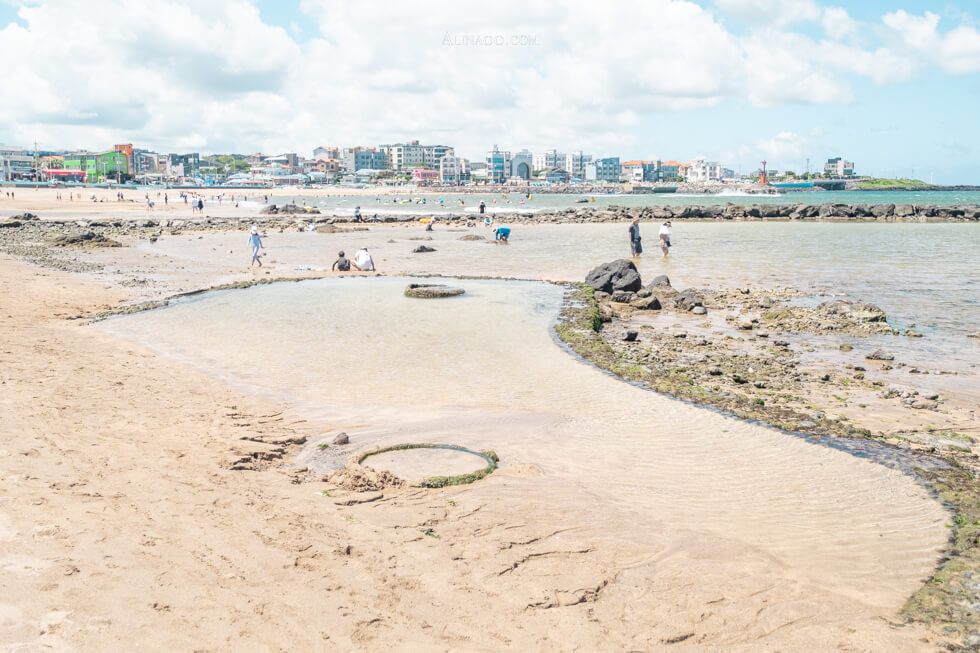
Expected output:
(889, 85)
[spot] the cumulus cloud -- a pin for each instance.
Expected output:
(838, 24)
(956, 51)
(768, 13)
(784, 146)
(215, 77)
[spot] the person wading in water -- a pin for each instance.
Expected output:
(635, 247)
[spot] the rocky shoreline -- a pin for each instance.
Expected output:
(744, 352)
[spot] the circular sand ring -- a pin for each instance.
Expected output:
(430, 290)
(488, 456)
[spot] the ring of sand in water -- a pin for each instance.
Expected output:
(429, 290)
(488, 457)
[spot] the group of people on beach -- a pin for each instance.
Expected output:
(362, 260)
(636, 245)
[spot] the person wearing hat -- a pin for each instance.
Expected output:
(256, 242)
(636, 247)
(665, 238)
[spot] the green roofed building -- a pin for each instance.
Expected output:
(99, 166)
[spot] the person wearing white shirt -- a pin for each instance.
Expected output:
(665, 238)
(362, 261)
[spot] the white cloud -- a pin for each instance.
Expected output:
(838, 24)
(770, 13)
(957, 51)
(784, 147)
(214, 77)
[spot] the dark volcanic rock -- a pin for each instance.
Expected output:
(631, 336)
(620, 274)
(623, 297)
(421, 249)
(651, 303)
(659, 281)
(686, 300)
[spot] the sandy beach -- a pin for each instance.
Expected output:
(142, 495)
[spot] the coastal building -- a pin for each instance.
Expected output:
(454, 169)
(668, 170)
(575, 163)
(433, 154)
(554, 176)
(478, 170)
(184, 165)
(15, 164)
(548, 159)
(498, 165)
(701, 170)
(838, 167)
(326, 152)
(425, 175)
(402, 156)
(606, 169)
(637, 171)
(326, 166)
(98, 166)
(364, 158)
(522, 165)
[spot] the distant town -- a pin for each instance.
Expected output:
(391, 164)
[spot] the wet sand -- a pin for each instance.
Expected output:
(121, 488)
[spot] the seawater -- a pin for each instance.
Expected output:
(482, 370)
(408, 202)
(922, 274)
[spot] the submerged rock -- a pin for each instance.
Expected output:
(879, 355)
(431, 290)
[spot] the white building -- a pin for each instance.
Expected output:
(522, 165)
(548, 159)
(454, 169)
(498, 165)
(701, 170)
(575, 163)
(838, 167)
(14, 163)
(414, 155)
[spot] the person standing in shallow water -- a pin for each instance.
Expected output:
(636, 248)
(665, 238)
(256, 243)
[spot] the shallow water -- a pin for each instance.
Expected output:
(516, 201)
(922, 274)
(417, 464)
(482, 371)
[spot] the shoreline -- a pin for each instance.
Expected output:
(945, 463)
(256, 456)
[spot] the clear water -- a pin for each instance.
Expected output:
(445, 203)
(481, 370)
(922, 274)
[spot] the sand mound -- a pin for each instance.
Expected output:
(362, 479)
